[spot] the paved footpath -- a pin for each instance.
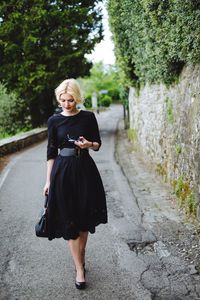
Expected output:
(165, 244)
(142, 253)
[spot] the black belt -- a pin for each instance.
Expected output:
(72, 152)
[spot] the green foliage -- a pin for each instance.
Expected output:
(161, 169)
(88, 101)
(181, 188)
(154, 39)
(132, 134)
(102, 77)
(169, 110)
(42, 43)
(113, 92)
(185, 196)
(178, 149)
(123, 95)
(191, 205)
(105, 100)
(13, 114)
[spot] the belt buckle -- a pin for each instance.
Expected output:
(78, 152)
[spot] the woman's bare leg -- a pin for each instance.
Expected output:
(83, 242)
(77, 249)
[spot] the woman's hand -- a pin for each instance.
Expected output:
(83, 143)
(46, 189)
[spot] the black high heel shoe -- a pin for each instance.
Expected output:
(81, 285)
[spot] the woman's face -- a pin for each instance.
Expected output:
(67, 102)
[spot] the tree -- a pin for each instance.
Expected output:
(102, 77)
(13, 118)
(41, 43)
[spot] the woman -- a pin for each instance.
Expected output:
(76, 197)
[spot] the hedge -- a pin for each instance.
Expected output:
(154, 39)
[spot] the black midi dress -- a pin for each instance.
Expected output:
(76, 199)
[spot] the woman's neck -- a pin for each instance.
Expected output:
(72, 113)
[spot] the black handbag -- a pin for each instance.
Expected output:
(41, 228)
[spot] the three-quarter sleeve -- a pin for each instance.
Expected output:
(95, 136)
(52, 147)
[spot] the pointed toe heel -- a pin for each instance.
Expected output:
(80, 285)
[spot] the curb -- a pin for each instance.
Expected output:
(22, 140)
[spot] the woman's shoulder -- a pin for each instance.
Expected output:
(53, 119)
(87, 113)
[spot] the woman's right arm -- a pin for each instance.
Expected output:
(52, 152)
(50, 163)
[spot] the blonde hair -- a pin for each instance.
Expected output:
(70, 86)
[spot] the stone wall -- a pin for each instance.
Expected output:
(21, 140)
(165, 124)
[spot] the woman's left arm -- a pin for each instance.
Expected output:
(94, 140)
(83, 144)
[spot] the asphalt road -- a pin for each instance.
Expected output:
(133, 257)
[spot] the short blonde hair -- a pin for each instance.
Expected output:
(70, 86)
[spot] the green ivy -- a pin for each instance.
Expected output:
(154, 39)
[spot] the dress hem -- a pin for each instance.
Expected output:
(75, 236)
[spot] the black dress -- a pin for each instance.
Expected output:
(76, 194)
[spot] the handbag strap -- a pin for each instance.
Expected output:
(46, 201)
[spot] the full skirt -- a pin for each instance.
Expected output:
(76, 197)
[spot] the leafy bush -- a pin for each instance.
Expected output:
(114, 93)
(154, 39)
(105, 100)
(13, 114)
(88, 101)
